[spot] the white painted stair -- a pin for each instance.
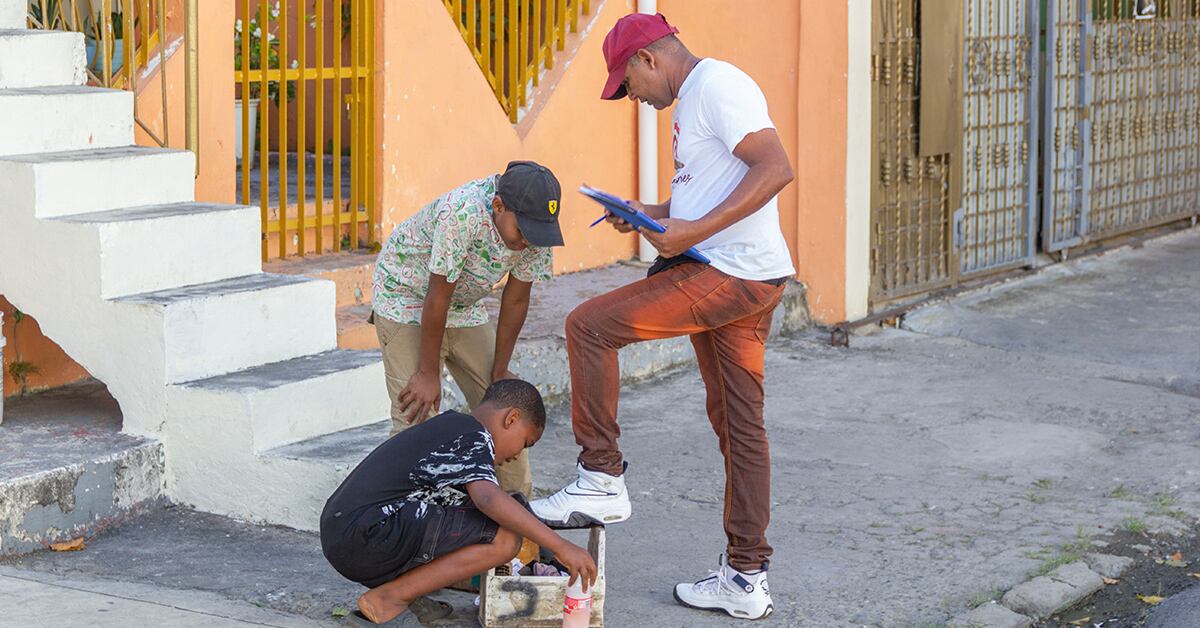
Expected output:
(163, 298)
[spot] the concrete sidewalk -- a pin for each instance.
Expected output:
(37, 599)
(916, 474)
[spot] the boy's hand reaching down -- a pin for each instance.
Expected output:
(421, 397)
(579, 562)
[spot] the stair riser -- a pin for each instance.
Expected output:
(49, 189)
(211, 336)
(33, 122)
(290, 414)
(13, 12)
(40, 58)
(148, 255)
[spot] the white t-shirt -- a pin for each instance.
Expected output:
(719, 105)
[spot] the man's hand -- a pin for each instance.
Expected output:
(680, 236)
(619, 223)
(505, 374)
(421, 397)
(579, 563)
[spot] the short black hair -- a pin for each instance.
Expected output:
(519, 394)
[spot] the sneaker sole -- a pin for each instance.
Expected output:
(718, 609)
(582, 520)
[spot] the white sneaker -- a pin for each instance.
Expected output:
(593, 497)
(742, 595)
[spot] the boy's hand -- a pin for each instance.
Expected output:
(579, 562)
(421, 397)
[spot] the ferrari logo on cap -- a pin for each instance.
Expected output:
(553, 207)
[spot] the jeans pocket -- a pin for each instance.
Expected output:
(730, 300)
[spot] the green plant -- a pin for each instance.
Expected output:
(258, 38)
(1135, 525)
(1120, 492)
(19, 369)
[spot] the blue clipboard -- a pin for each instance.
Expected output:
(638, 219)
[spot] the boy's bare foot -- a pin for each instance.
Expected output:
(380, 610)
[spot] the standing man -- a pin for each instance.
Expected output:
(729, 167)
(431, 276)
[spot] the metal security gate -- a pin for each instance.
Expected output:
(954, 127)
(910, 192)
(996, 227)
(306, 107)
(1122, 117)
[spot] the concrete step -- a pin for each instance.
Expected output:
(68, 471)
(229, 325)
(48, 185)
(14, 13)
(222, 424)
(158, 247)
(289, 401)
(350, 272)
(55, 119)
(37, 58)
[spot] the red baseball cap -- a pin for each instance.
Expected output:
(630, 34)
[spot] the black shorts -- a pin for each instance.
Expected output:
(373, 552)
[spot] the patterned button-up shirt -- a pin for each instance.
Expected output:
(454, 236)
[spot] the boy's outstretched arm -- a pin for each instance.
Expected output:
(503, 509)
(514, 307)
(423, 393)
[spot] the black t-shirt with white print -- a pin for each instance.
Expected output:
(431, 462)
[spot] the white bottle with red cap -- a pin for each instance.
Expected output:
(577, 606)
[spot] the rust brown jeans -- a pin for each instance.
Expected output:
(728, 320)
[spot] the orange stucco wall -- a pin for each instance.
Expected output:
(796, 52)
(440, 125)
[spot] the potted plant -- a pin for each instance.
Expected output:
(93, 41)
(251, 100)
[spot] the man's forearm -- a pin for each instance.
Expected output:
(761, 184)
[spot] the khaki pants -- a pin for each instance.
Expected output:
(469, 353)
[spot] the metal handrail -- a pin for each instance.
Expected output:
(109, 23)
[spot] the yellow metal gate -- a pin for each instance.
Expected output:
(306, 96)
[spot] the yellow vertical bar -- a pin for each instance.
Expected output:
(355, 134)
(472, 35)
(162, 63)
(301, 126)
(282, 148)
(129, 38)
(191, 80)
(369, 123)
(547, 28)
(338, 108)
(587, 7)
(501, 30)
(573, 11)
(244, 67)
(536, 34)
(514, 73)
(264, 165)
(485, 45)
(560, 26)
(147, 30)
(319, 195)
(105, 47)
(522, 33)
(456, 11)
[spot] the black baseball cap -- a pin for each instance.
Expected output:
(532, 192)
